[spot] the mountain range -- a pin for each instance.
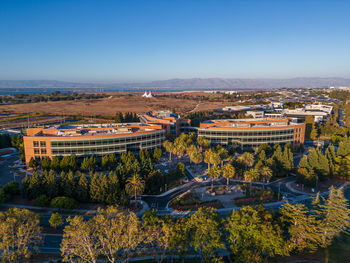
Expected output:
(181, 84)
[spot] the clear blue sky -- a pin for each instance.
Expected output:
(152, 40)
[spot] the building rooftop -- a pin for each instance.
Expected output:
(247, 123)
(91, 129)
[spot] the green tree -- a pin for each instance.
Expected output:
(105, 162)
(82, 191)
(251, 175)
(33, 163)
(335, 215)
(203, 143)
(46, 163)
(213, 173)
(196, 156)
(266, 173)
(20, 234)
(134, 186)
(88, 163)
(157, 154)
(253, 235)
(223, 154)
(228, 171)
(35, 186)
(80, 241)
(169, 147)
(55, 164)
(51, 184)
(65, 163)
(205, 233)
(247, 159)
(113, 191)
(304, 229)
(56, 220)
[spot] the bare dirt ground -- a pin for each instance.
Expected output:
(125, 102)
(41, 112)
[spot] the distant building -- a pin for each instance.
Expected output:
(255, 114)
(171, 122)
(147, 95)
(92, 139)
(318, 112)
(250, 133)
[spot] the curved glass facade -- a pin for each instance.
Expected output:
(101, 146)
(249, 138)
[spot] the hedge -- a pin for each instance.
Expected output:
(64, 202)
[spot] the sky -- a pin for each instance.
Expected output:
(145, 40)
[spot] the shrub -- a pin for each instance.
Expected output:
(64, 202)
(42, 200)
(11, 188)
(4, 197)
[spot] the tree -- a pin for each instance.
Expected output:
(33, 163)
(205, 232)
(314, 132)
(113, 189)
(213, 173)
(252, 235)
(266, 173)
(251, 175)
(20, 234)
(223, 154)
(46, 163)
(117, 232)
(208, 157)
(51, 184)
(169, 147)
(65, 163)
(82, 191)
(88, 163)
(55, 164)
(158, 234)
(134, 186)
(196, 156)
(203, 143)
(303, 228)
(247, 159)
(35, 186)
(80, 240)
(157, 154)
(56, 220)
(228, 171)
(335, 215)
(105, 161)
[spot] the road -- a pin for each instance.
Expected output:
(6, 174)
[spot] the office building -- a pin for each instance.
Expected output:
(92, 139)
(250, 133)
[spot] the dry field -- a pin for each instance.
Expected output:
(123, 102)
(126, 102)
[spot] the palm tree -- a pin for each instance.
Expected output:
(179, 149)
(134, 185)
(213, 173)
(266, 173)
(208, 157)
(228, 171)
(203, 143)
(223, 153)
(169, 147)
(251, 175)
(247, 159)
(196, 156)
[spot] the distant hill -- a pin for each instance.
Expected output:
(180, 84)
